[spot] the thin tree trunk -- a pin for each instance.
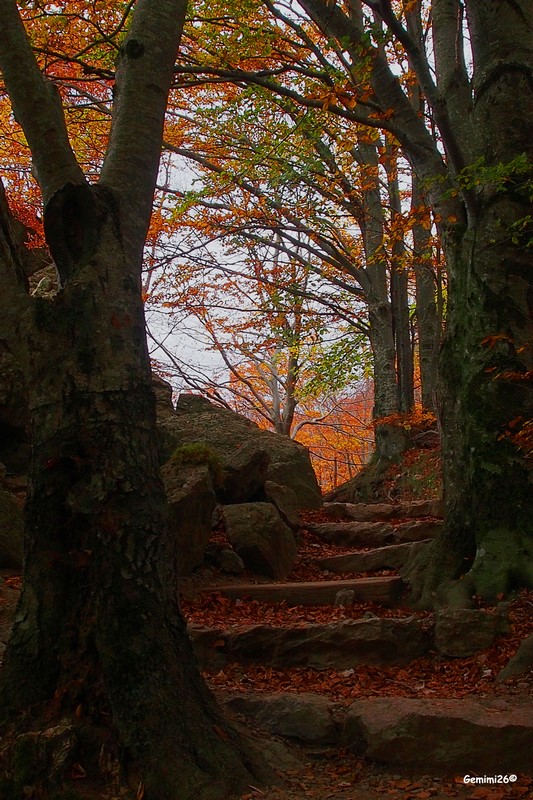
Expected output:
(428, 321)
(399, 281)
(390, 440)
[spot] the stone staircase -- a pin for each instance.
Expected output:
(423, 733)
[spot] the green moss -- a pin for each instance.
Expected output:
(198, 453)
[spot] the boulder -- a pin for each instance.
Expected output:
(223, 557)
(305, 717)
(284, 498)
(462, 736)
(261, 538)
(11, 531)
(244, 474)
(339, 645)
(461, 632)
(241, 447)
(191, 502)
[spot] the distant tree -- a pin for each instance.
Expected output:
(272, 163)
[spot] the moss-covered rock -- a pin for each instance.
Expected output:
(248, 455)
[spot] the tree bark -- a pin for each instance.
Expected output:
(99, 644)
(487, 357)
(428, 322)
(390, 439)
(98, 634)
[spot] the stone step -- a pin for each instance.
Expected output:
(464, 736)
(390, 557)
(375, 534)
(375, 512)
(385, 590)
(339, 645)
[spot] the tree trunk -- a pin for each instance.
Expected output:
(98, 639)
(486, 363)
(399, 290)
(390, 439)
(428, 323)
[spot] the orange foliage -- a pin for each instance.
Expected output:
(342, 442)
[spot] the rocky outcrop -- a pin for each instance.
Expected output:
(191, 502)
(261, 538)
(243, 448)
(211, 455)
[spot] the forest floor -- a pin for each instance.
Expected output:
(330, 774)
(336, 775)
(326, 773)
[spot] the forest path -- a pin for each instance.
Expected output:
(333, 664)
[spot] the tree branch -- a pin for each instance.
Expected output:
(36, 106)
(143, 79)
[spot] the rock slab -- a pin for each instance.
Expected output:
(388, 557)
(375, 512)
(340, 645)
(465, 736)
(305, 717)
(376, 534)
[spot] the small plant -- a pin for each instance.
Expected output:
(197, 453)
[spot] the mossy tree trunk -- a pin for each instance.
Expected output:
(99, 644)
(486, 361)
(475, 165)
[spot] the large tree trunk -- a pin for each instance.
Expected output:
(486, 362)
(99, 641)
